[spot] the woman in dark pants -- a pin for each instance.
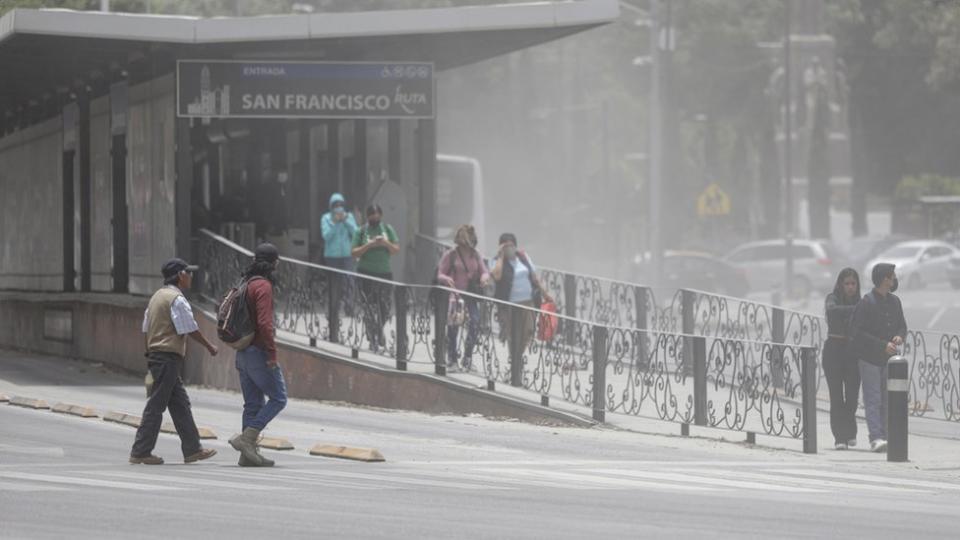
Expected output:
(839, 361)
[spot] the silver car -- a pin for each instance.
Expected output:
(919, 262)
(764, 263)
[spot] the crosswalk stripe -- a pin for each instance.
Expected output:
(586, 479)
(275, 476)
(775, 477)
(17, 486)
(91, 482)
(875, 479)
(402, 480)
(695, 479)
(201, 482)
(590, 463)
(478, 477)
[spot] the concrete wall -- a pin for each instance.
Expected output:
(151, 182)
(31, 208)
(101, 196)
(106, 328)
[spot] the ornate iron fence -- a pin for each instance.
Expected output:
(725, 381)
(934, 357)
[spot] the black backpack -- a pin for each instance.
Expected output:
(236, 326)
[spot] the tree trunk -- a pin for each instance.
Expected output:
(818, 168)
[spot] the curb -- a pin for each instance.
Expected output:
(122, 418)
(275, 443)
(205, 433)
(75, 410)
(369, 455)
(29, 403)
(166, 427)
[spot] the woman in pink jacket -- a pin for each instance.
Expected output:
(463, 268)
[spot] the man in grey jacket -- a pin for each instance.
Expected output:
(878, 329)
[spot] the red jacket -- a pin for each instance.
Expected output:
(260, 304)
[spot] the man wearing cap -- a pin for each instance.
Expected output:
(878, 328)
(167, 322)
(260, 375)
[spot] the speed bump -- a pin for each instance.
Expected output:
(75, 410)
(346, 452)
(122, 418)
(205, 433)
(275, 443)
(29, 403)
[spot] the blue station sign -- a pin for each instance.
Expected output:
(248, 89)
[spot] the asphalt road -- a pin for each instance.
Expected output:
(445, 477)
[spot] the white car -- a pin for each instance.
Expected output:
(764, 264)
(919, 262)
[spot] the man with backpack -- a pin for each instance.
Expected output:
(167, 322)
(260, 375)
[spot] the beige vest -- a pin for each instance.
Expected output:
(161, 333)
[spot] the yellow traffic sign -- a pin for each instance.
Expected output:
(713, 202)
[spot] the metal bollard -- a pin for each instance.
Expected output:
(898, 386)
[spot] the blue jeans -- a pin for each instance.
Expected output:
(874, 381)
(256, 381)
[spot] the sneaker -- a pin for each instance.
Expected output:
(146, 460)
(878, 445)
(204, 453)
(852, 443)
(840, 446)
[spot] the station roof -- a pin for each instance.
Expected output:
(43, 52)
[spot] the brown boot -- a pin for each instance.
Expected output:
(203, 454)
(246, 444)
(264, 462)
(146, 460)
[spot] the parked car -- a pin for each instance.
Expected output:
(864, 249)
(815, 265)
(953, 272)
(696, 270)
(919, 262)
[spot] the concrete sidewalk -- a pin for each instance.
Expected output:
(419, 437)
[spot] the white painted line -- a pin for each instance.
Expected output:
(689, 478)
(202, 482)
(775, 476)
(275, 476)
(91, 482)
(384, 478)
(36, 451)
(876, 479)
(936, 317)
(598, 463)
(478, 477)
(16, 486)
(587, 479)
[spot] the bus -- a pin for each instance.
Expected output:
(459, 197)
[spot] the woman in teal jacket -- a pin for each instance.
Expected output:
(338, 227)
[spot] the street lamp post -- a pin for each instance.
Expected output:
(655, 152)
(788, 152)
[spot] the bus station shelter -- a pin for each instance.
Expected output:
(121, 135)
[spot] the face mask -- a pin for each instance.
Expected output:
(373, 223)
(510, 252)
(896, 283)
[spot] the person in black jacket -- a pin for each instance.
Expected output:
(878, 328)
(839, 363)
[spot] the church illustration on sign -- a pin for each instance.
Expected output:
(214, 102)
